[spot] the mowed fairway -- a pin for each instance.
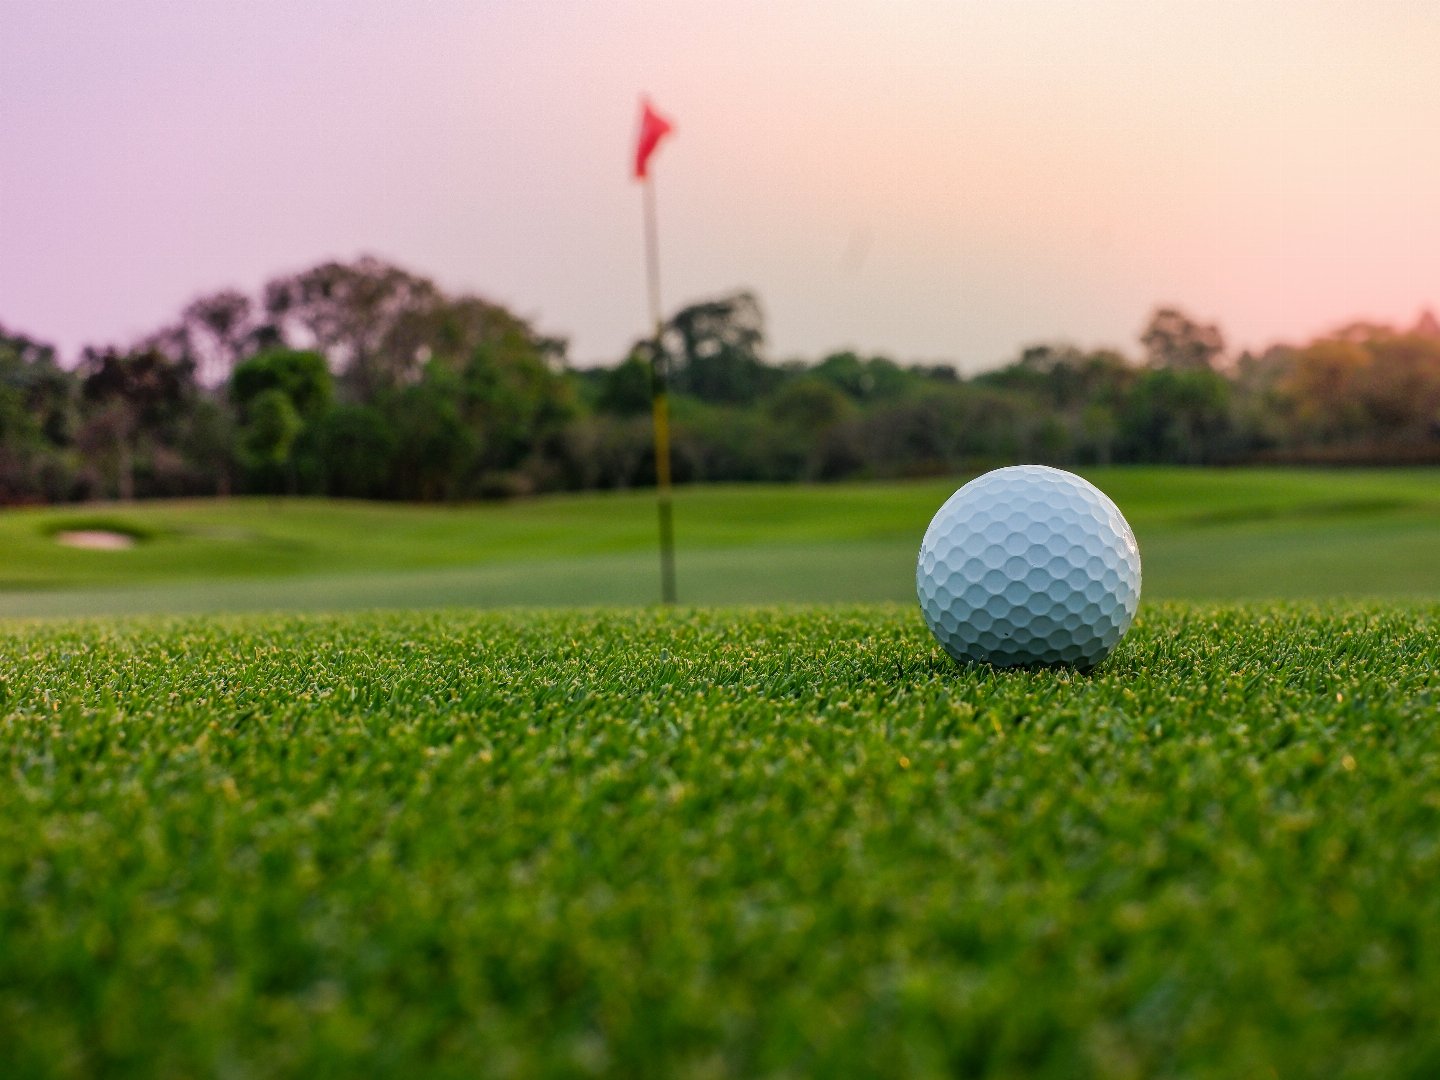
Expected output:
(1204, 534)
(741, 843)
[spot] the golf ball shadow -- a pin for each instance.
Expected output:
(1029, 566)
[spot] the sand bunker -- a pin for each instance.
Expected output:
(95, 540)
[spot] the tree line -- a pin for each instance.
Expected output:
(365, 380)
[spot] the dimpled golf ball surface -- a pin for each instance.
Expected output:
(1029, 565)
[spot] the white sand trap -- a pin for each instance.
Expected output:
(95, 540)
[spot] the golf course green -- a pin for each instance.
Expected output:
(773, 832)
(1204, 534)
(741, 843)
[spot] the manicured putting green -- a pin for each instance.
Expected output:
(1207, 534)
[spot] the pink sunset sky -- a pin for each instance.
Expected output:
(946, 181)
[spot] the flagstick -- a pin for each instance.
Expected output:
(660, 403)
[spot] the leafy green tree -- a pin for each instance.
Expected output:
(1177, 416)
(513, 399)
(1064, 377)
(107, 441)
(607, 451)
(435, 450)
(267, 439)
(356, 446)
(722, 442)
(208, 447)
(135, 404)
(391, 388)
(718, 343)
(37, 420)
(1174, 340)
(626, 389)
(1099, 431)
(302, 376)
(213, 333)
(866, 380)
(809, 404)
(803, 416)
(303, 379)
(360, 316)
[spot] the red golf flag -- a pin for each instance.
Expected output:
(653, 128)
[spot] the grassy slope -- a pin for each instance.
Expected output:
(719, 844)
(1203, 533)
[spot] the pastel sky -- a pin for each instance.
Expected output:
(941, 181)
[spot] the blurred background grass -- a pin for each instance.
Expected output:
(1204, 534)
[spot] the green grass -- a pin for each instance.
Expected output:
(766, 842)
(1204, 534)
(726, 842)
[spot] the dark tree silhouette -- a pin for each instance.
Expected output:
(1174, 340)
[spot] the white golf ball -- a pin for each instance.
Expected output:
(1029, 565)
